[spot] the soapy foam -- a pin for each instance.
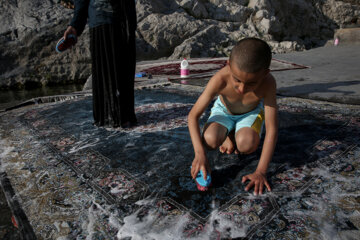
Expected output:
(4, 152)
(154, 226)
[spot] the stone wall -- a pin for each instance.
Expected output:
(166, 29)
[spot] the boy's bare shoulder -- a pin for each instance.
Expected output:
(223, 73)
(270, 79)
(269, 82)
(219, 80)
(267, 86)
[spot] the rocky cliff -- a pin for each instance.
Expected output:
(166, 29)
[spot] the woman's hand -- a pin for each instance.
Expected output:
(70, 30)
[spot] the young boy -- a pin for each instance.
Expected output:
(245, 90)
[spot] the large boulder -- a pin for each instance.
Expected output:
(166, 29)
(27, 45)
(163, 32)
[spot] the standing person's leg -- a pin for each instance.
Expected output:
(113, 57)
(124, 73)
(130, 73)
(126, 62)
(103, 76)
(96, 77)
(111, 76)
(113, 42)
(131, 25)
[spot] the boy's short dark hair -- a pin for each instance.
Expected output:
(251, 55)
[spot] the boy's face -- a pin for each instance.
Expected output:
(244, 82)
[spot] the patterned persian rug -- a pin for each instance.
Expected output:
(202, 70)
(73, 180)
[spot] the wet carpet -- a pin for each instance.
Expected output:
(75, 180)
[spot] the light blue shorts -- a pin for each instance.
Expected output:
(253, 119)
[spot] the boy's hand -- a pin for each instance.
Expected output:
(257, 180)
(200, 163)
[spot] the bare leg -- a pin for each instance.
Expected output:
(228, 146)
(247, 140)
(214, 135)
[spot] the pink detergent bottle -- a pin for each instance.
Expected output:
(184, 69)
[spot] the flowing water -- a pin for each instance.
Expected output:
(13, 97)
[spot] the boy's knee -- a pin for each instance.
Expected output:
(211, 140)
(247, 141)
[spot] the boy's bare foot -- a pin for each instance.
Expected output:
(228, 146)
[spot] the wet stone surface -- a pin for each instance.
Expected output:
(105, 172)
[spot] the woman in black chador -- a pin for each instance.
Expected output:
(112, 43)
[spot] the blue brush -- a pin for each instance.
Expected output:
(140, 74)
(203, 185)
(63, 44)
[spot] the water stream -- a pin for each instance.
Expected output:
(13, 97)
